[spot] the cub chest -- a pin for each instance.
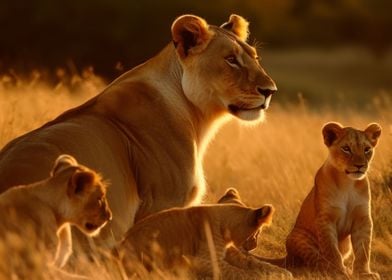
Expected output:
(351, 204)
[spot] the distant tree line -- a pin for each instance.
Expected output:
(114, 35)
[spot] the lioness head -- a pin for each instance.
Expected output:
(243, 224)
(351, 150)
(221, 71)
(86, 204)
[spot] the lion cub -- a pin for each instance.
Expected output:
(241, 257)
(336, 213)
(182, 238)
(73, 194)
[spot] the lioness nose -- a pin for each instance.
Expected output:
(359, 166)
(265, 91)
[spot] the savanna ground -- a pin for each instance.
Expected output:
(274, 162)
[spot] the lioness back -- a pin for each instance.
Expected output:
(148, 130)
(335, 215)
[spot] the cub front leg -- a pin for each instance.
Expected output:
(64, 246)
(248, 262)
(361, 236)
(328, 242)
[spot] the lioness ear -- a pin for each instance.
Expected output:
(62, 162)
(81, 182)
(238, 25)
(190, 33)
(331, 132)
(373, 132)
(263, 215)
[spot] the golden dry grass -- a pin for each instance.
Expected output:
(274, 162)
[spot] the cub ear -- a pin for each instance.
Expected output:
(190, 32)
(231, 196)
(263, 215)
(62, 162)
(373, 132)
(331, 132)
(232, 193)
(238, 25)
(81, 182)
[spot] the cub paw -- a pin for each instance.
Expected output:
(368, 276)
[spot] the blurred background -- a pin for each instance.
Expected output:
(318, 51)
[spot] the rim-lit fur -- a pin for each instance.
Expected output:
(147, 132)
(168, 237)
(72, 195)
(335, 217)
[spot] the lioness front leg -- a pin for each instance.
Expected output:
(361, 237)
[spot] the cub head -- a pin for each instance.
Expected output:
(233, 196)
(351, 150)
(85, 205)
(221, 71)
(243, 224)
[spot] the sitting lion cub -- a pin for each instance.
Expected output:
(73, 194)
(336, 213)
(184, 237)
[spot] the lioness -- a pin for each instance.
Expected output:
(180, 237)
(72, 195)
(335, 215)
(148, 130)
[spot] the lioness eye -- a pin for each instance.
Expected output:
(367, 150)
(346, 149)
(232, 61)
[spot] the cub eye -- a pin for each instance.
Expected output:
(232, 61)
(346, 149)
(368, 150)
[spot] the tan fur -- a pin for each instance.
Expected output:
(238, 25)
(232, 195)
(175, 238)
(148, 130)
(240, 257)
(336, 213)
(72, 195)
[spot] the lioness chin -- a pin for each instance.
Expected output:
(148, 130)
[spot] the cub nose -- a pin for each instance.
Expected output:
(107, 214)
(359, 166)
(265, 91)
